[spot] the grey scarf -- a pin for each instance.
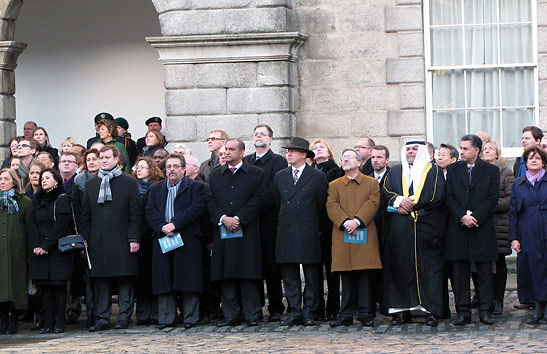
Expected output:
(105, 193)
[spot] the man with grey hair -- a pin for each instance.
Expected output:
(192, 166)
(29, 128)
(180, 149)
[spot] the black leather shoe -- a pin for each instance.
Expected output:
(498, 308)
(367, 321)
(401, 318)
(45, 330)
(58, 330)
(462, 321)
(121, 325)
(225, 323)
(274, 317)
(98, 327)
(252, 323)
(165, 325)
(341, 322)
(432, 321)
(529, 306)
(543, 320)
(291, 321)
(486, 319)
(330, 317)
(188, 325)
(309, 322)
(534, 319)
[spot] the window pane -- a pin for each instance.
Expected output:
(515, 11)
(481, 45)
(517, 87)
(447, 46)
(445, 12)
(480, 11)
(448, 127)
(448, 89)
(487, 120)
(513, 122)
(516, 44)
(483, 88)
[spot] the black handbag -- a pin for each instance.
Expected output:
(70, 243)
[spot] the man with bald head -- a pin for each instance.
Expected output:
(364, 147)
(484, 136)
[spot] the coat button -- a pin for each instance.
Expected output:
(288, 202)
(232, 187)
(5, 235)
(231, 203)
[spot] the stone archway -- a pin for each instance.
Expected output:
(228, 66)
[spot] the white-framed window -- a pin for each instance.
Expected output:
(481, 70)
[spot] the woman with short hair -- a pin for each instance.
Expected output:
(15, 214)
(528, 232)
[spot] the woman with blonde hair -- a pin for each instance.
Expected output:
(15, 215)
(67, 144)
(324, 161)
(491, 153)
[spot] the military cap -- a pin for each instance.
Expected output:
(153, 120)
(103, 115)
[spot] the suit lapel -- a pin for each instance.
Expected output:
(476, 174)
(162, 196)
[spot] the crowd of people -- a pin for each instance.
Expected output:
(186, 243)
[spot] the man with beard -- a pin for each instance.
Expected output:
(352, 205)
(110, 223)
(270, 163)
(413, 244)
(364, 147)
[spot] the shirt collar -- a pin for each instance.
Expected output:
(236, 166)
(300, 169)
(379, 176)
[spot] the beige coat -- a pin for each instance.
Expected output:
(349, 199)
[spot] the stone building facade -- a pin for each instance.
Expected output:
(336, 70)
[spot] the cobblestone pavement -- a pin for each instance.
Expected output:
(508, 334)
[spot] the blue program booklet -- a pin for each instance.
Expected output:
(359, 238)
(225, 234)
(169, 243)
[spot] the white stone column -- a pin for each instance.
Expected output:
(227, 65)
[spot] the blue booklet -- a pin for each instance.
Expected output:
(391, 209)
(169, 243)
(359, 238)
(225, 234)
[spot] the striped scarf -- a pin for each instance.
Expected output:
(7, 201)
(170, 203)
(105, 193)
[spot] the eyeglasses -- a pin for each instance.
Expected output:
(20, 146)
(348, 157)
(212, 138)
(66, 161)
(261, 134)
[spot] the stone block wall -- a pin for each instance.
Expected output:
(361, 72)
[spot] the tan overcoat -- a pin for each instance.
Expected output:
(349, 199)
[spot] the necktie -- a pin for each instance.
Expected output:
(295, 176)
(233, 169)
(470, 168)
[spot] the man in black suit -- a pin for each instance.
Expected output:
(472, 190)
(364, 147)
(234, 200)
(301, 194)
(531, 136)
(379, 158)
(270, 163)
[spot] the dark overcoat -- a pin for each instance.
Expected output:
(380, 215)
(185, 271)
(109, 227)
(528, 225)
(477, 244)
(143, 282)
(14, 236)
(270, 163)
(46, 231)
(237, 195)
(301, 207)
